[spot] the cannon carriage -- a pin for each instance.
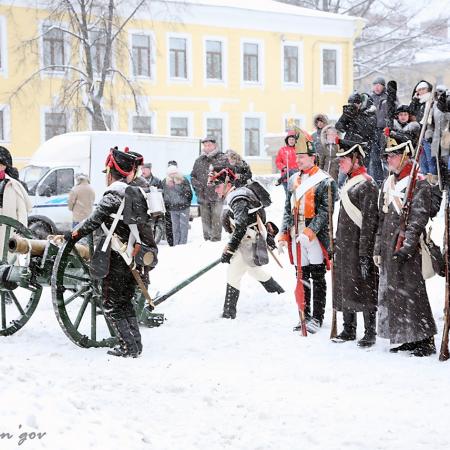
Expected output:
(27, 266)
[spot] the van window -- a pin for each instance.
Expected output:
(58, 182)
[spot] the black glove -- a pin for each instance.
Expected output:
(401, 256)
(226, 256)
(391, 88)
(365, 263)
(270, 239)
(71, 236)
(349, 111)
(442, 103)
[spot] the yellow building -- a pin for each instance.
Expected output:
(235, 69)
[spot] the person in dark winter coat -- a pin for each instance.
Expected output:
(240, 168)
(359, 122)
(421, 94)
(328, 161)
(177, 197)
(285, 159)
(307, 196)
(320, 122)
(118, 283)
(243, 219)
(355, 277)
(405, 128)
(441, 136)
(210, 203)
(404, 312)
(151, 179)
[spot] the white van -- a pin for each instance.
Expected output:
(52, 169)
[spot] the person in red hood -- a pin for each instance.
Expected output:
(286, 160)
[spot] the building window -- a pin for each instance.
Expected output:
(291, 64)
(329, 67)
(178, 58)
(214, 60)
(252, 136)
(214, 127)
(2, 125)
(55, 123)
(141, 53)
(251, 62)
(142, 124)
(288, 123)
(53, 44)
(98, 50)
(179, 126)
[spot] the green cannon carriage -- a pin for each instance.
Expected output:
(27, 266)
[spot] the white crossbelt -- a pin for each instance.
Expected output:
(352, 211)
(394, 193)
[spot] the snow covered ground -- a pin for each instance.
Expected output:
(204, 382)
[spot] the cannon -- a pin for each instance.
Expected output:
(27, 266)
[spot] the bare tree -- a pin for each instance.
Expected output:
(390, 37)
(94, 31)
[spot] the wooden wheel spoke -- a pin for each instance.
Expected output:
(80, 314)
(76, 277)
(93, 319)
(16, 302)
(3, 308)
(76, 294)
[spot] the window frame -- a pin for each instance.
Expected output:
(262, 118)
(300, 117)
(332, 87)
(261, 51)
(180, 80)
(152, 122)
(153, 48)
(183, 115)
(6, 110)
(224, 118)
(300, 64)
(58, 73)
(224, 65)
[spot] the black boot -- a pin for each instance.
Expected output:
(349, 331)
(319, 292)
(231, 298)
(134, 328)
(272, 286)
(306, 275)
(426, 347)
(127, 344)
(407, 347)
(370, 318)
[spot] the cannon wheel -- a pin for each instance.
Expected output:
(77, 300)
(17, 304)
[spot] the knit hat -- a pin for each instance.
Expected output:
(379, 80)
(172, 170)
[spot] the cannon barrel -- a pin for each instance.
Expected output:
(37, 246)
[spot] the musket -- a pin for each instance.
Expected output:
(444, 352)
(299, 288)
(333, 332)
(178, 287)
(406, 207)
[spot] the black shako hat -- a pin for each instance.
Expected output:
(121, 162)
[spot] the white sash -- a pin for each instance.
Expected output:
(394, 192)
(309, 183)
(352, 211)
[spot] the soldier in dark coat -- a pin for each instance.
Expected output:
(210, 203)
(355, 283)
(307, 196)
(244, 218)
(404, 313)
(118, 283)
